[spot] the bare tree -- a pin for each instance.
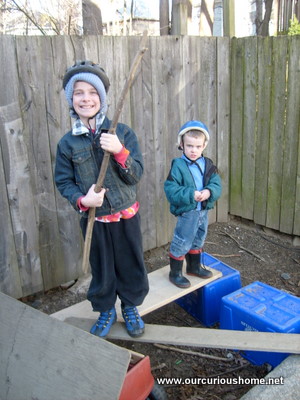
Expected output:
(20, 18)
(206, 18)
(262, 23)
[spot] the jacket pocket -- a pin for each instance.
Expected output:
(84, 167)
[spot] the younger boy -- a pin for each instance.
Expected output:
(116, 254)
(192, 188)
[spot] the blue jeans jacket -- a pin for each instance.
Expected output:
(78, 162)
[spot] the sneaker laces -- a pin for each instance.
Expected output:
(131, 314)
(104, 319)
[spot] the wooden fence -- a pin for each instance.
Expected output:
(245, 90)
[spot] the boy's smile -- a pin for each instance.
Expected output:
(193, 146)
(86, 101)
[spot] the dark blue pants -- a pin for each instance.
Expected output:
(117, 264)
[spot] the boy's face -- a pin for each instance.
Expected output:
(193, 146)
(86, 101)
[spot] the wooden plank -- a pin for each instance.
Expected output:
(117, 73)
(215, 338)
(173, 106)
(162, 60)
(280, 48)
(141, 115)
(42, 358)
(9, 273)
(236, 105)
(161, 292)
(291, 140)
(199, 76)
(249, 127)
(202, 337)
(264, 65)
(70, 241)
(223, 124)
(10, 282)
(18, 177)
(40, 162)
(296, 229)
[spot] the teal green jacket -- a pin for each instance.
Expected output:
(180, 186)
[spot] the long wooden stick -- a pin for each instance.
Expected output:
(105, 161)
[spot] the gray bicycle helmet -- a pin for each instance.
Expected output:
(86, 66)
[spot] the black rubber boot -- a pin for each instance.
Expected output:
(195, 268)
(175, 274)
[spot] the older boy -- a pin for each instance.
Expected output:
(192, 188)
(116, 254)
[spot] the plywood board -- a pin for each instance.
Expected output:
(161, 292)
(42, 358)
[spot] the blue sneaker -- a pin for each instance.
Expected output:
(104, 323)
(134, 324)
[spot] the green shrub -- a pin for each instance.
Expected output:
(294, 28)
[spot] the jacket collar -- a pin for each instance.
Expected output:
(190, 161)
(80, 129)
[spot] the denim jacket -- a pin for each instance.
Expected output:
(78, 162)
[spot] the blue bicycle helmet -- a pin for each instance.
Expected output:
(192, 125)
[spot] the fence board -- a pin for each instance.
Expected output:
(291, 140)
(166, 64)
(280, 47)
(9, 271)
(264, 65)
(236, 106)
(223, 124)
(118, 75)
(205, 93)
(296, 230)
(40, 165)
(70, 240)
(18, 181)
(199, 101)
(141, 105)
(249, 127)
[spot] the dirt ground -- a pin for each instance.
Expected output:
(259, 255)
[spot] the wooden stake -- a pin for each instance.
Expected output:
(105, 161)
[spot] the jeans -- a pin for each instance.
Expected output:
(190, 232)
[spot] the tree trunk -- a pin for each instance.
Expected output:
(262, 24)
(206, 18)
(91, 18)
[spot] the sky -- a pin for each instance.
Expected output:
(143, 8)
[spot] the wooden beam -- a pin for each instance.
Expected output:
(229, 18)
(179, 25)
(42, 358)
(203, 337)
